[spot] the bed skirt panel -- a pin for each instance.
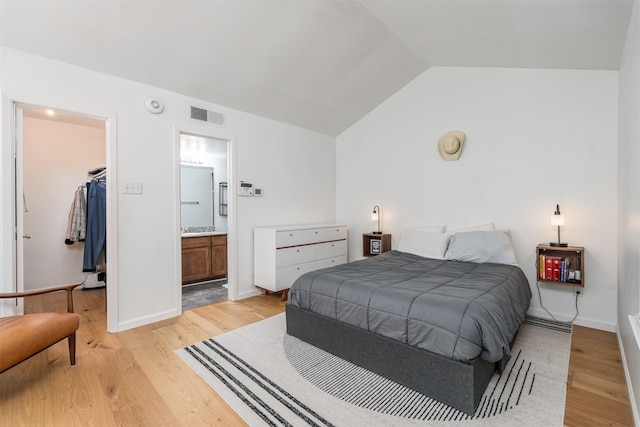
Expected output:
(454, 383)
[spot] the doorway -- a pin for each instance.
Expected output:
(204, 225)
(56, 154)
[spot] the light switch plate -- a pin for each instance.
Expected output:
(132, 188)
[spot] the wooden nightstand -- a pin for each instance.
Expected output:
(375, 244)
(560, 265)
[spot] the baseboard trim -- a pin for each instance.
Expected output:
(248, 294)
(141, 321)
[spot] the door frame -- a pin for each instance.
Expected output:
(232, 234)
(111, 239)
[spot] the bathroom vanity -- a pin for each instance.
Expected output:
(204, 257)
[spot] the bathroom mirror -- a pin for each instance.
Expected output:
(196, 197)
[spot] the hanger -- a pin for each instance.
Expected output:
(100, 175)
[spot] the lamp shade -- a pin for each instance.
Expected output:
(375, 216)
(557, 220)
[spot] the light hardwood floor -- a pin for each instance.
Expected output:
(133, 378)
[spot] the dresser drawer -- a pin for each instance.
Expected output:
(295, 255)
(307, 253)
(313, 235)
(332, 233)
(331, 262)
(331, 249)
(285, 276)
(295, 237)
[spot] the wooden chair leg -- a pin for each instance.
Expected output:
(72, 348)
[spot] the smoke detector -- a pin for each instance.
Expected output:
(154, 105)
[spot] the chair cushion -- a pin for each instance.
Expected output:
(24, 336)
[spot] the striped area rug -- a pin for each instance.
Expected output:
(273, 379)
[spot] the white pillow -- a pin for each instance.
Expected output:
(482, 227)
(482, 246)
(431, 228)
(424, 243)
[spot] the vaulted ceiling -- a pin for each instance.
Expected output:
(321, 65)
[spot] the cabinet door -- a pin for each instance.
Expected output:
(196, 264)
(219, 260)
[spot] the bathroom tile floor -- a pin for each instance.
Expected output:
(199, 294)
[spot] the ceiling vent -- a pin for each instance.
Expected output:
(207, 116)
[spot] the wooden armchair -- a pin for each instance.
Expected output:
(24, 336)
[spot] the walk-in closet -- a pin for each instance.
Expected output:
(64, 194)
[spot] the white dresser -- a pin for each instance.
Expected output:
(282, 254)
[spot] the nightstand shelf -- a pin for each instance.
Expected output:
(560, 265)
(381, 244)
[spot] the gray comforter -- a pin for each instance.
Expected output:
(460, 310)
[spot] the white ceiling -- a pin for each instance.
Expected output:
(321, 65)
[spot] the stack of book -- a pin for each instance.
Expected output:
(559, 269)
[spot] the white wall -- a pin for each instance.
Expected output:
(534, 138)
(296, 168)
(57, 157)
(629, 204)
(216, 157)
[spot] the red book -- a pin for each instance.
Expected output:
(557, 262)
(548, 268)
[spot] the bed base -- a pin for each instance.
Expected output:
(453, 383)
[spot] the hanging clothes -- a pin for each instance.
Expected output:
(77, 223)
(96, 223)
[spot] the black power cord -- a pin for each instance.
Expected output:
(548, 312)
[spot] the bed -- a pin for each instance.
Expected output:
(439, 326)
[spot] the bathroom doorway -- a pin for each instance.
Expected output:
(204, 225)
